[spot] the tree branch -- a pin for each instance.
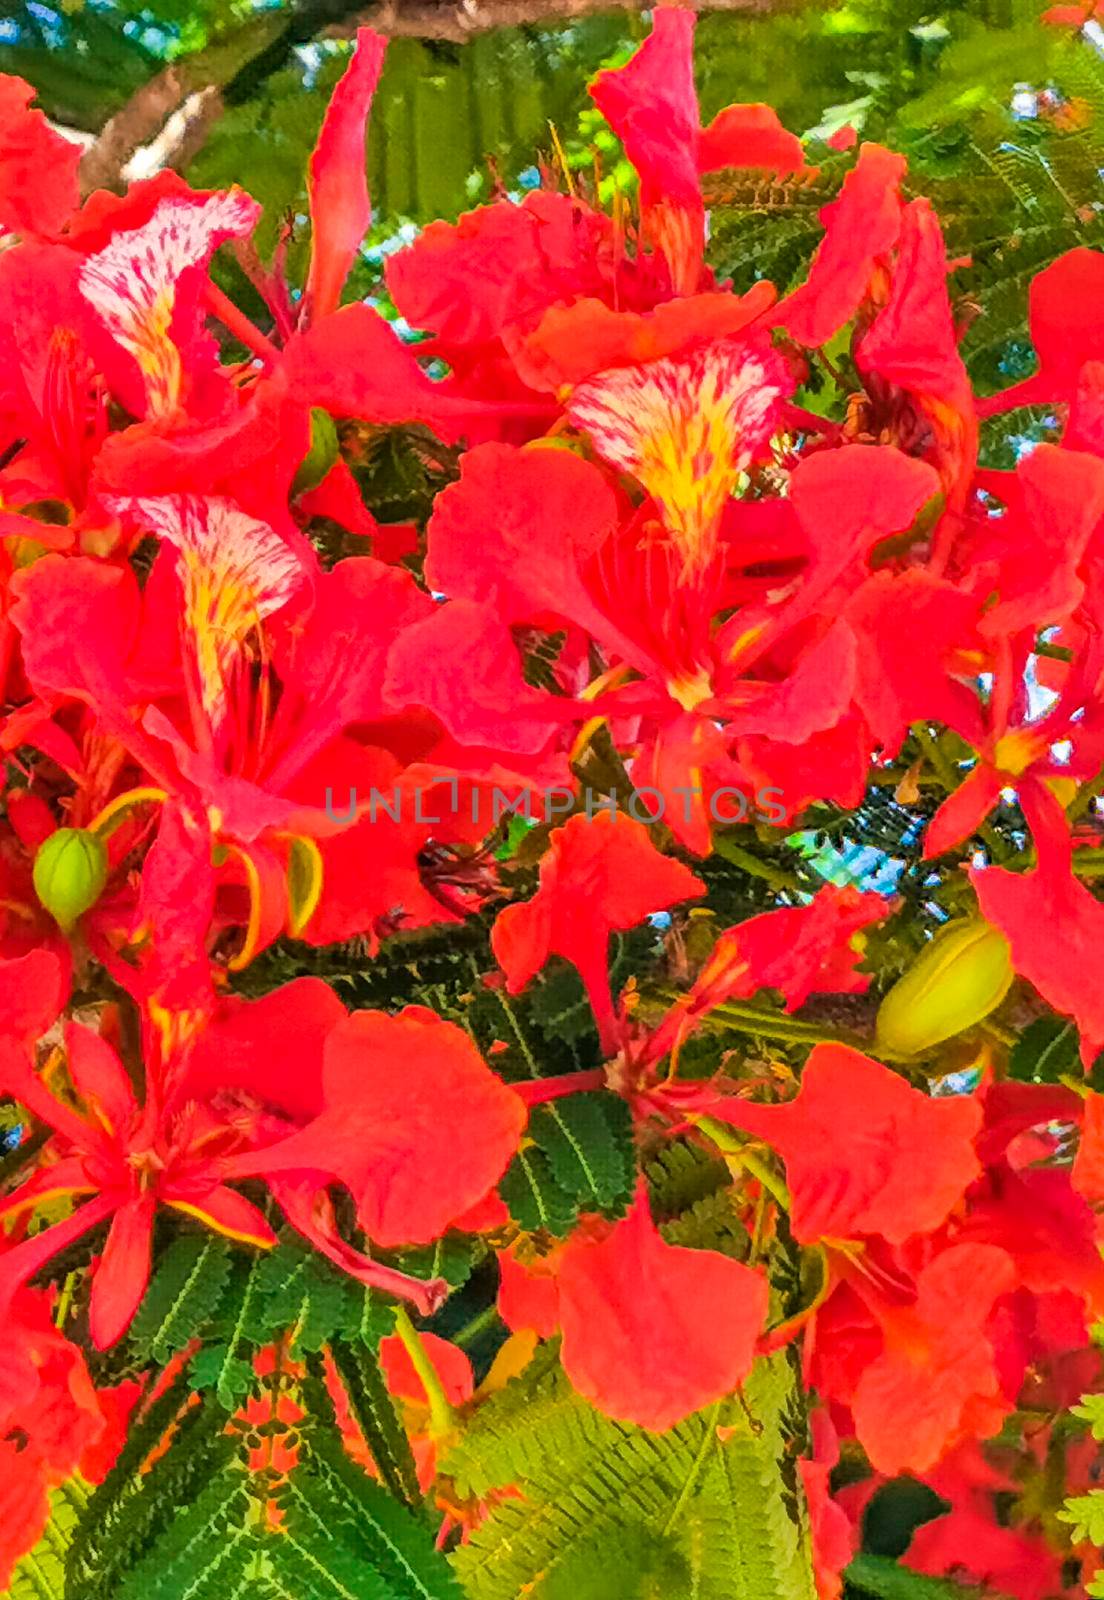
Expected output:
(139, 121)
(457, 21)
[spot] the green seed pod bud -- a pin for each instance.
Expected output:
(961, 977)
(323, 452)
(70, 871)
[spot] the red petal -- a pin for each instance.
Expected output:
(33, 989)
(861, 226)
(340, 209)
(527, 1298)
(270, 1048)
(963, 811)
(448, 1360)
(462, 663)
(749, 136)
(652, 1331)
(608, 864)
(416, 1125)
(19, 1264)
(119, 1281)
(849, 1141)
(1050, 919)
(914, 1402)
(225, 1211)
(100, 1077)
(652, 106)
(543, 512)
(38, 167)
(899, 684)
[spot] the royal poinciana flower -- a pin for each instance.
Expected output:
(125, 1158)
(654, 565)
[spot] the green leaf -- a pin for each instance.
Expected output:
(140, 1504)
(1091, 1410)
(1085, 1515)
(588, 1142)
(723, 1513)
(884, 1579)
(230, 1376)
(534, 1198)
(301, 1292)
(183, 1293)
(375, 1414)
(225, 1365)
(392, 1539)
(1045, 1052)
(323, 1568)
(206, 1550)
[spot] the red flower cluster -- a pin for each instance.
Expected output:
(749, 596)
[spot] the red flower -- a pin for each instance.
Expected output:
(653, 1331)
(130, 1160)
(797, 950)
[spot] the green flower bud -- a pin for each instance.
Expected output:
(70, 871)
(323, 452)
(962, 975)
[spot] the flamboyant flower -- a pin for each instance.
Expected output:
(230, 680)
(796, 950)
(684, 689)
(384, 1137)
(130, 1161)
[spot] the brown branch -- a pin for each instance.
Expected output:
(140, 120)
(201, 118)
(457, 21)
